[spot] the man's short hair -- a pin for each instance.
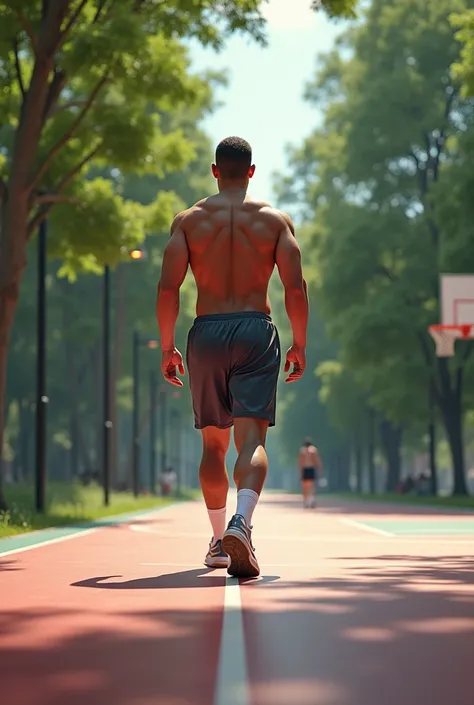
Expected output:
(233, 157)
(307, 442)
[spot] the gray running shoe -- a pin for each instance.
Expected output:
(215, 557)
(237, 543)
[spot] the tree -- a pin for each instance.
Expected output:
(394, 138)
(463, 68)
(347, 411)
(82, 83)
(337, 8)
(75, 335)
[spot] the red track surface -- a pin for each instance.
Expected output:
(341, 616)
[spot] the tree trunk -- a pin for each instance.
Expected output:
(74, 437)
(450, 403)
(330, 472)
(335, 484)
(391, 437)
(25, 418)
(432, 440)
(15, 200)
(344, 461)
(358, 466)
(9, 296)
(117, 350)
(432, 458)
(371, 452)
(452, 417)
(85, 458)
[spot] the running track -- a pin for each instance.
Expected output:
(357, 605)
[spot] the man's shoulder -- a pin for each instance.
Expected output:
(178, 220)
(277, 215)
(287, 220)
(187, 214)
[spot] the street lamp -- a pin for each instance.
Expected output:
(107, 427)
(163, 424)
(152, 344)
(153, 402)
(41, 398)
(176, 426)
(136, 253)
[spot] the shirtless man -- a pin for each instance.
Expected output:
(232, 244)
(310, 468)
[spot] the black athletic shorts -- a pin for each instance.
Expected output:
(309, 474)
(233, 362)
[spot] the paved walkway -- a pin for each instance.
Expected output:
(358, 604)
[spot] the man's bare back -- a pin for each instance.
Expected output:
(232, 242)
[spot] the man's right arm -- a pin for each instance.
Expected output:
(288, 261)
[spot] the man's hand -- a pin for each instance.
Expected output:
(170, 360)
(297, 356)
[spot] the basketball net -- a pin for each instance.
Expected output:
(446, 336)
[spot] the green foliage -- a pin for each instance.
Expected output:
(346, 404)
(463, 69)
(74, 312)
(337, 8)
(68, 504)
(115, 71)
(87, 95)
(385, 182)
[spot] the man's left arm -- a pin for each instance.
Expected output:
(173, 271)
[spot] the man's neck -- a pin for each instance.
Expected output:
(233, 190)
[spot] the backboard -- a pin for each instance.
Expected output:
(457, 312)
(457, 299)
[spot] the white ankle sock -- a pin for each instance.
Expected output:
(246, 503)
(217, 518)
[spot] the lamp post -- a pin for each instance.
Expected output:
(163, 424)
(153, 401)
(151, 343)
(41, 398)
(176, 426)
(179, 454)
(136, 254)
(107, 427)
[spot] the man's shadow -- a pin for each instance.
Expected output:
(195, 578)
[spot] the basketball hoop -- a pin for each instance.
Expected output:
(446, 335)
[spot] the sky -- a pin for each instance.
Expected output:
(263, 101)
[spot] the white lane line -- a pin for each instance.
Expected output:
(232, 685)
(199, 566)
(85, 532)
(321, 538)
(365, 527)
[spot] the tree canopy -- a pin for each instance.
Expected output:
(384, 179)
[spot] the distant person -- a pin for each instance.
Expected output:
(310, 469)
(168, 481)
(423, 484)
(232, 244)
(408, 485)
